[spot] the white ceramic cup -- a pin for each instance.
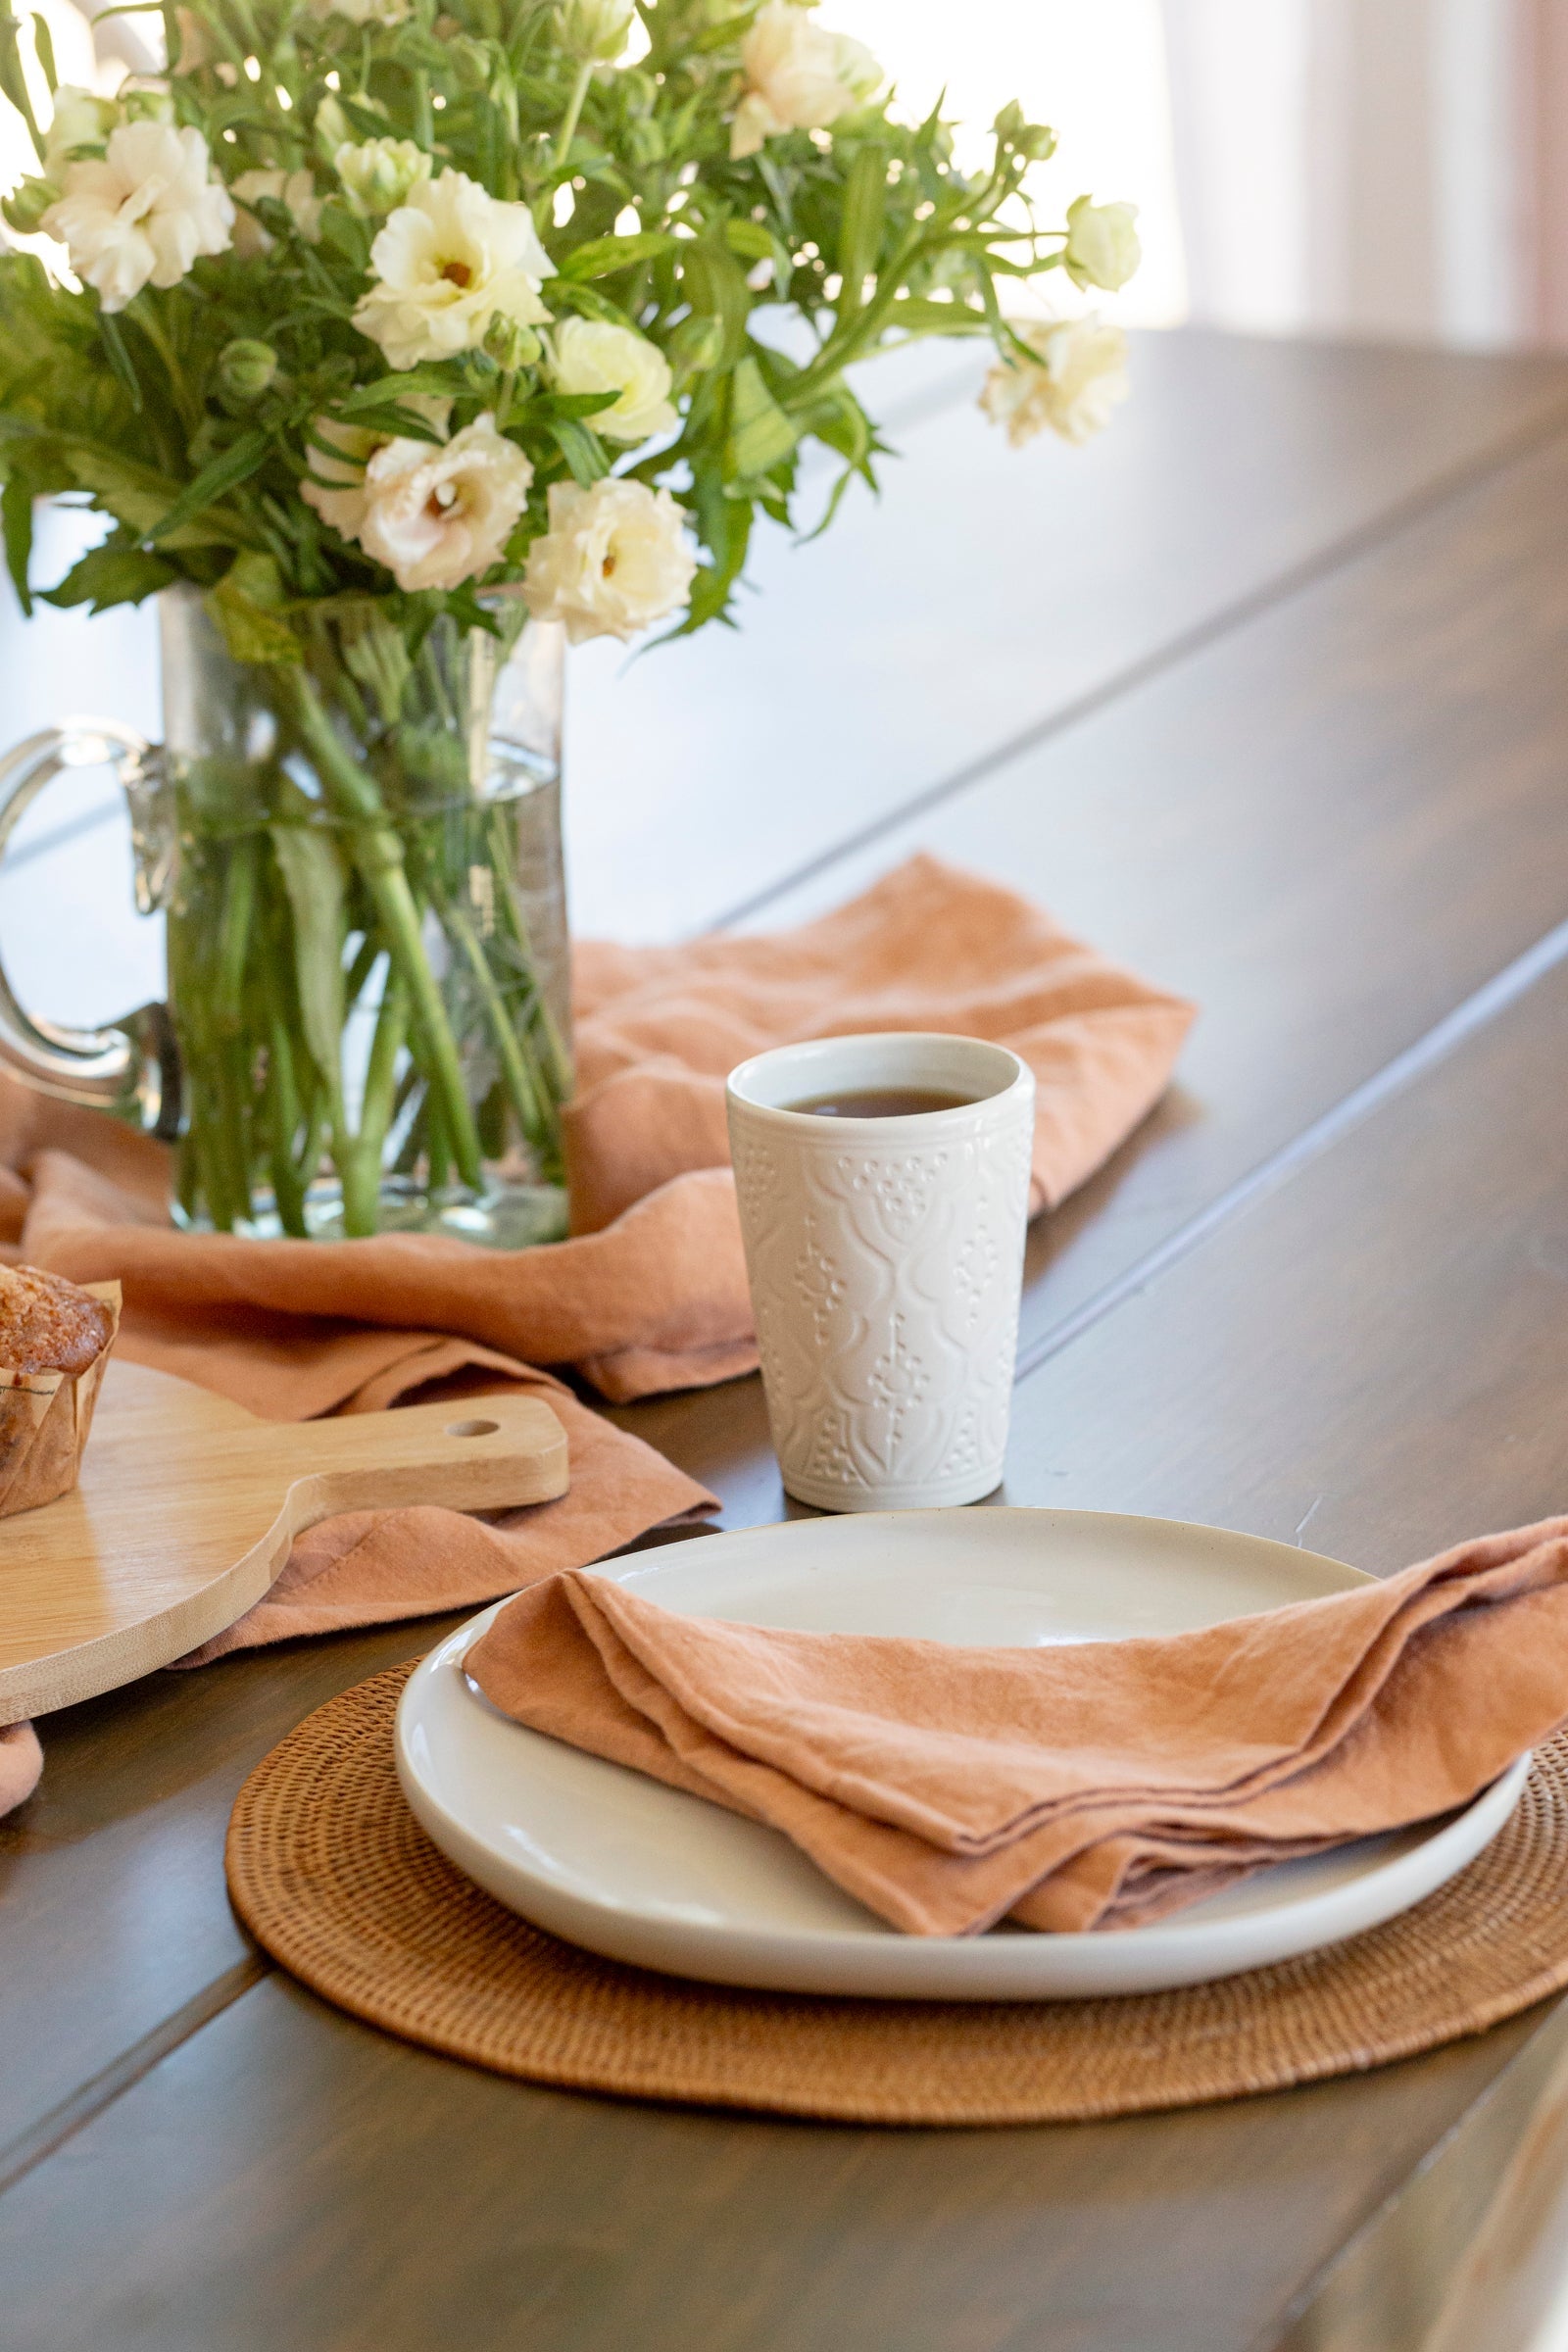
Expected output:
(886, 1259)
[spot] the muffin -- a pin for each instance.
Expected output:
(54, 1343)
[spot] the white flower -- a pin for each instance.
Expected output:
(379, 174)
(336, 483)
(143, 214)
(1102, 248)
(436, 516)
(1078, 376)
(590, 354)
(80, 120)
(448, 261)
(613, 559)
(295, 189)
(797, 77)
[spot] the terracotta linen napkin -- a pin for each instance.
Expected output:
(928, 947)
(1095, 1784)
(651, 1293)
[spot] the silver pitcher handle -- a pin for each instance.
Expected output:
(131, 1067)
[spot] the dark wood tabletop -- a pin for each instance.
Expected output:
(1265, 693)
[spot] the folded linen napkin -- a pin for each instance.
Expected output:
(1097, 1785)
(651, 1293)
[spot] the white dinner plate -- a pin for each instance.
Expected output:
(606, 1858)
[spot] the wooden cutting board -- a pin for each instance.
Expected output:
(187, 1507)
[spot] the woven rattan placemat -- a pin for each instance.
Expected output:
(330, 1872)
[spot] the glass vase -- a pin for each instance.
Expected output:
(358, 854)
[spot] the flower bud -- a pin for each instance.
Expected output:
(333, 129)
(510, 344)
(593, 31)
(696, 344)
(246, 368)
(1102, 248)
(26, 206)
(377, 174)
(146, 101)
(1032, 140)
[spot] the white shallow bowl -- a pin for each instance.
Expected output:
(606, 1858)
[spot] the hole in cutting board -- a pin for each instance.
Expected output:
(472, 1428)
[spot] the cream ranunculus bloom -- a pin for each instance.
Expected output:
(379, 174)
(336, 483)
(615, 560)
(143, 214)
(436, 516)
(448, 261)
(1102, 248)
(295, 189)
(797, 77)
(1078, 376)
(590, 354)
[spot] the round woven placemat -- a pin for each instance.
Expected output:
(331, 1873)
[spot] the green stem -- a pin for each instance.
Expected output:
(283, 1124)
(145, 313)
(528, 1095)
(573, 115)
(360, 1165)
(504, 867)
(377, 852)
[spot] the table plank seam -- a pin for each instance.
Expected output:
(51, 2132)
(1336, 555)
(1352, 1111)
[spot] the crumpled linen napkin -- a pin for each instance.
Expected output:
(651, 1293)
(1095, 1784)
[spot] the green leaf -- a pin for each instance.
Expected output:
(761, 435)
(226, 472)
(45, 47)
(574, 404)
(440, 383)
(715, 287)
(135, 496)
(119, 358)
(16, 515)
(14, 82)
(917, 318)
(250, 633)
(865, 189)
(582, 450)
(750, 238)
(565, 294)
(601, 257)
(313, 878)
(114, 574)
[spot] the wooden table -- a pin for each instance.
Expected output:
(1266, 693)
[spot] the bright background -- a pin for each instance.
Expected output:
(1396, 168)
(1388, 169)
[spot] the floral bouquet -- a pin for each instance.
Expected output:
(395, 332)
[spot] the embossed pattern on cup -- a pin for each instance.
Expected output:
(885, 1258)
